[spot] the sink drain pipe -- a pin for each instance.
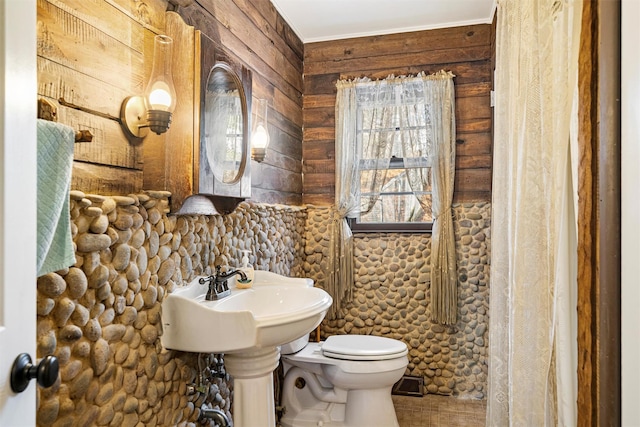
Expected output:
(216, 415)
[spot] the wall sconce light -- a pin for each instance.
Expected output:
(154, 110)
(260, 133)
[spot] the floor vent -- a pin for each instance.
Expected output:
(409, 386)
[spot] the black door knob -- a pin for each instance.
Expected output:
(23, 371)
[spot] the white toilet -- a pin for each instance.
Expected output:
(344, 381)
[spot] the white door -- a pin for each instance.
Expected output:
(18, 92)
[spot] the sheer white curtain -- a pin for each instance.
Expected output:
(412, 118)
(532, 360)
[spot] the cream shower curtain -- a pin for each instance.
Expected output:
(532, 356)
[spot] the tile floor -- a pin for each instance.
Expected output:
(439, 411)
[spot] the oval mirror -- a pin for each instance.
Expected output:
(224, 124)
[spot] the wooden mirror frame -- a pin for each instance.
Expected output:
(228, 195)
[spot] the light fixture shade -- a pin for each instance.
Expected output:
(160, 93)
(260, 134)
(154, 109)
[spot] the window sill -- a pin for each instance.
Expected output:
(423, 227)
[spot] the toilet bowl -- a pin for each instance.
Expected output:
(344, 381)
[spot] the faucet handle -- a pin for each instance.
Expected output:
(206, 280)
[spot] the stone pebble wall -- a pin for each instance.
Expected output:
(391, 298)
(101, 317)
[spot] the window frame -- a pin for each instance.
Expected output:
(390, 227)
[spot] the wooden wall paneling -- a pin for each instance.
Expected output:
(149, 13)
(599, 266)
(319, 183)
(319, 101)
(100, 179)
(92, 55)
(465, 51)
(480, 161)
(276, 197)
(68, 40)
(319, 150)
(252, 33)
(474, 144)
(108, 147)
(471, 196)
(465, 72)
(269, 177)
(58, 81)
(419, 41)
(474, 89)
(319, 166)
(473, 125)
(587, 221)
(244, 19)
(320, 84)
(389, 61)
(279, 72)
(320, 117)
(473, 107)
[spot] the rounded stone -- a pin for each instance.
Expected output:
(88, 242)
(70, 333)
(93, 330)
(121, 257)
(128, 316)
(47, 343)
(63, 311)
(142, 260)
(113, 332)
(70, 370)
(137, 239)
(100, 356)
(48, 411)
(51, 285)
(167, 268)
(149, 334)
(80, 384)
(100, 224)
(120, 285)
(104, 395)
(132, 272)
(98, 277)
(130, 405)
(107, 317)
(77, 283)
(44, 306)
(150, 296)
(106, 415)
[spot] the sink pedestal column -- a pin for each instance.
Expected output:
(252, 372)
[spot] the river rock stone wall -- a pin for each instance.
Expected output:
(392, 297)
(101, 316)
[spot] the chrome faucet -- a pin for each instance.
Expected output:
(218, 286)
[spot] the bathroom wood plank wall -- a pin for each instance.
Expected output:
(466, 51)
(92, 53)
(257, 36)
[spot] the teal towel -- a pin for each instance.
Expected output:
(55, 161)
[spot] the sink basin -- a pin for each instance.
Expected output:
(275, 311)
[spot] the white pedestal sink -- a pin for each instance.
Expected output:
(248, 326)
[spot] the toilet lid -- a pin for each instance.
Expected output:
(363, 347)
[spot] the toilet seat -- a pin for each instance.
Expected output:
(363, 347)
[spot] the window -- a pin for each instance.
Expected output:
(394, 167)
(395, 138)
